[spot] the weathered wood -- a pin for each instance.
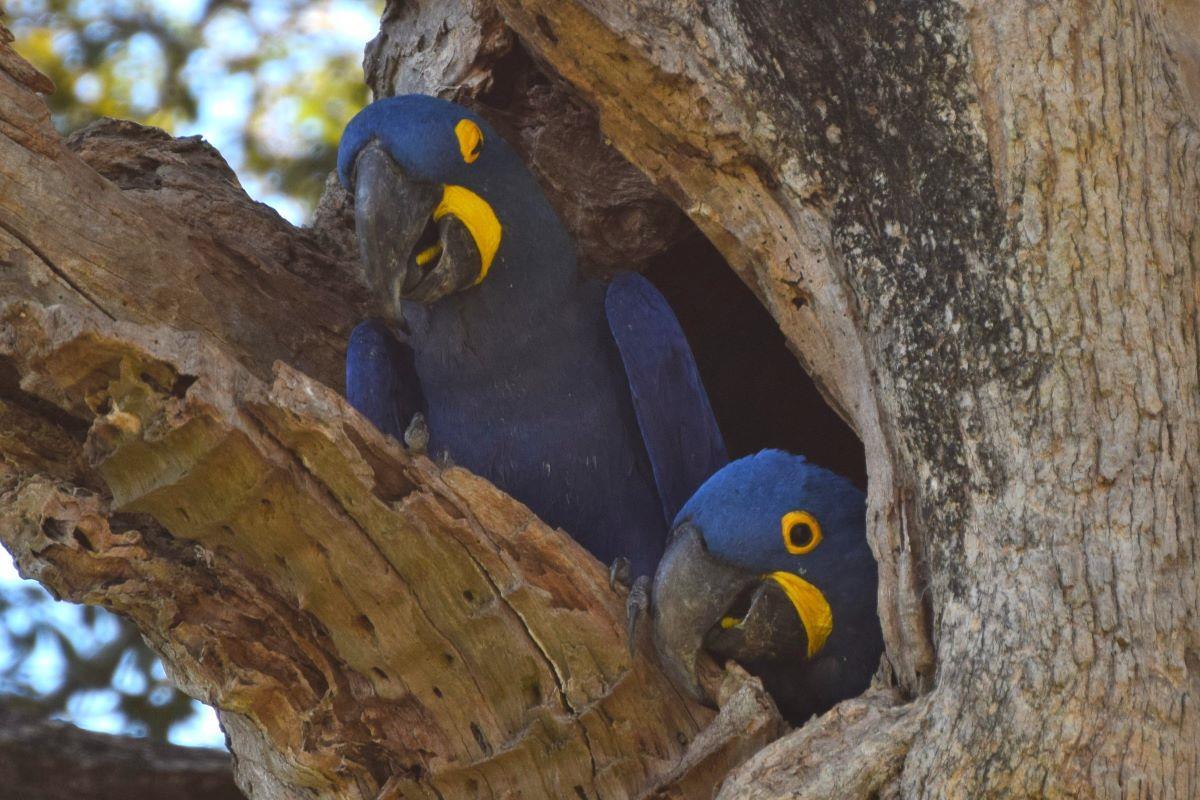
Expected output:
(367, 623)
(747, 722)
(810, 762)
(168, 238)
(977, 224)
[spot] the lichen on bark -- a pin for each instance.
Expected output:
(976, 225)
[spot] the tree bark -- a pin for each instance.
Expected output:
(367, 623)
(42, 760)
(975, 223)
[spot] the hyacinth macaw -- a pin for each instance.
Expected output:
(578, 398)
(768, 565)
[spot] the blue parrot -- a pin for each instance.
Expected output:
(768, 565)
(580, 399)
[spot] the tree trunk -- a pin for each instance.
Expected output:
(975, 223)
(367, 623)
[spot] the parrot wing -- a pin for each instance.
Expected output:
(381, 378)
(676, 421)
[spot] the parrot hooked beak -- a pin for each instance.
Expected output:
(418, 241)
(699, 602)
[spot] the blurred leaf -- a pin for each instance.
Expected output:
(74, 664)
(271, 83)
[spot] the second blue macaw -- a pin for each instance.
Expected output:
(580, 399)
(769, 565)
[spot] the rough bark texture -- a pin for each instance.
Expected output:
(42, 760)
(976, 224)
(812, 761)
(367, 623)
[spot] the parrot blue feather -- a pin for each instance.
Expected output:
(673, 412)
(381, 379)
(739, 513)
(522, 379)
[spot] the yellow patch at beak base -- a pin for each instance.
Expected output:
(477, 217)
(428, 254)
(811, 605)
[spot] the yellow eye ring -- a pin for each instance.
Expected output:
(795, 521)
(470, 139)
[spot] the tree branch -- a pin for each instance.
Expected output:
(366, 623)
(856, 750)
(42, 760)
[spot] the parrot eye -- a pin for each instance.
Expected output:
(801, 532)
(470, 139)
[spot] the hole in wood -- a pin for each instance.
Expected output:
(182, 384)
(56, 529)
(760, 394)
(83, 540)
(763, 398)
(364, 623)
(480, 739)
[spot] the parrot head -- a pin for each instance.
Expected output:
(768, 565)
(432, 185)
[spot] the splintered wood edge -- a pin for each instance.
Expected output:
(362, 618)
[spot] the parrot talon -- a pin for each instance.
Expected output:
(618, 572)
(636, 606)
(444, 460)
(416, 435)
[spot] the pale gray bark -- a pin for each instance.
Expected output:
(977, 226)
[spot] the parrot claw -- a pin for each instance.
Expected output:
(444, 460)
(618, 572)
(636, 606)
(416, 435)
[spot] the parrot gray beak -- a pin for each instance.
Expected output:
(699, 603)
(691, 592)
(406, 253)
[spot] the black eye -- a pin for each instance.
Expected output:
(801, 532)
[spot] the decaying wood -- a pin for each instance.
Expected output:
(977, 223)
(367, 623)
(810, 762)
(747, 722)
(42, 760)
(151, 229)
(361, 618)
